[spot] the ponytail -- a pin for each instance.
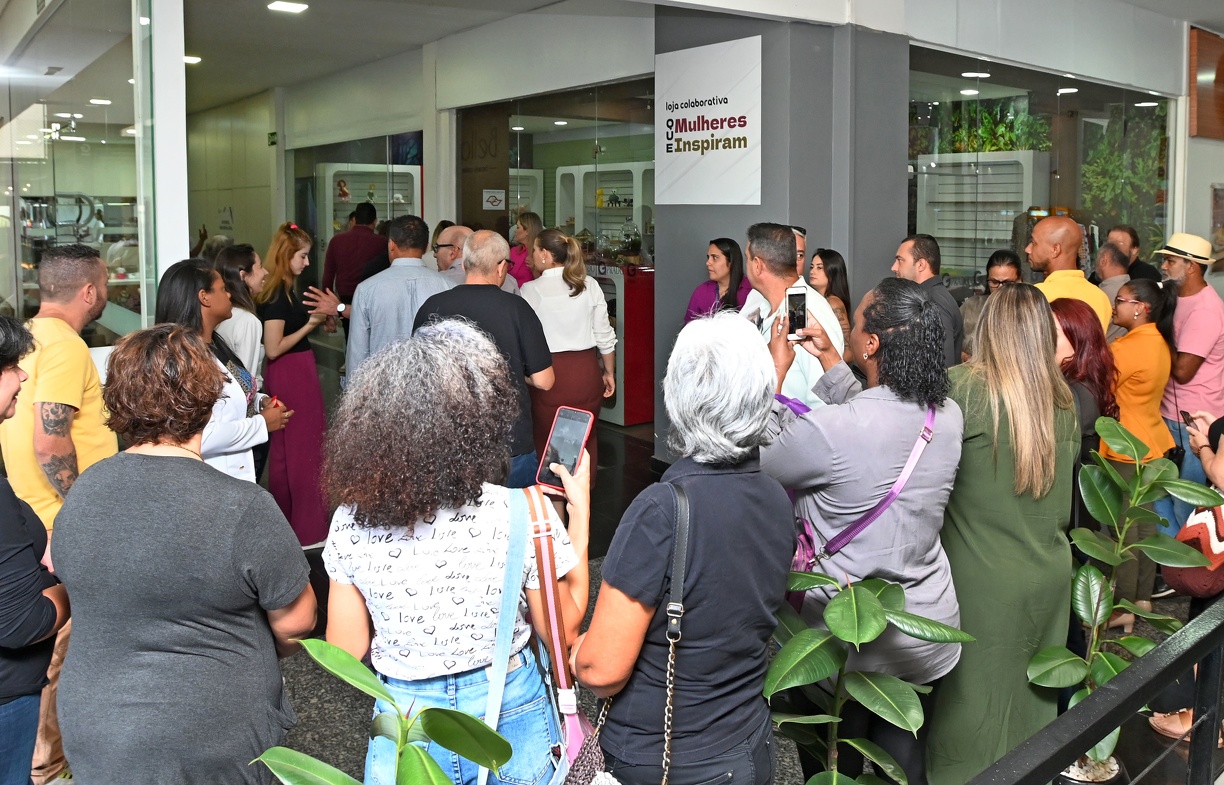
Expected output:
(566, 252)
(1161, 300)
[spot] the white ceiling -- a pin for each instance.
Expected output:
(1208, 14)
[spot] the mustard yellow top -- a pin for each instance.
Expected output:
(1073, 284)
(1143, 362)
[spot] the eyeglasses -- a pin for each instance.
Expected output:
(1118, 300)
(436, 246)
(995, 283)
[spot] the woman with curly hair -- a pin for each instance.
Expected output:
(295, 453)
(1005, 532)
(418, 459)
(161, 623)
(841, 460)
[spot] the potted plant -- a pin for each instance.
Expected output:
(1116, 504)
(858, 613)
(456, 731)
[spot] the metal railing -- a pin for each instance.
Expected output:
(1062, 742)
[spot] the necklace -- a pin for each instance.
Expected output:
(144, 449)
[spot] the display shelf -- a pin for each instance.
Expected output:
(587, 197)
(969, 201)
(394, 190)
(526, 193)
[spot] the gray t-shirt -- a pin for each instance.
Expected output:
(171, 675)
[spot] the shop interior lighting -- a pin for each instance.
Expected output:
(78, 116)
(516, 128)
(130, 130)
(288, 8)
(560, 122)
(72, 139)
(33, 136)
(23, 141)
(65, 115)
(131, 81)
(100, 101)
(1067, 90)
(1146, 104)
(976, 75)
(968, 92)
(191, 59)
(144, 21)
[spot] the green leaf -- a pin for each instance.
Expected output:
(1164, 550)
(1192, 493)
(808, 736)
(1095, 545)
(297, 768)
(1121, 440)
(1135, 644)
(417, 767)
(884, 762)
(1106, 746)
(347, 668)
(1144, 515)
(870, 779)
(390, 726)
(1164, 623)
(1158, 470)
(1105, 665)
(790, 624)
(887, 696)
(1109, 469)
(855, 615)
(891, 595)
(925, 629)
(1102, 498)
(1057, 666)
(780, 719)
(1090, 596)
(830, 778)
(811, 656)
(465, 735)
(802, 581)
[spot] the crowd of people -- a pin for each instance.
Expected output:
(147, 594)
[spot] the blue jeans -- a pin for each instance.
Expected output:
(751, 762)
(1176, 511)
(523, 470)
(527, 721)
(18, 728)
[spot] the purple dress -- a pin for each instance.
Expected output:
(705, 299)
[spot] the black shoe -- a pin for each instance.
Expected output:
(1162, 589)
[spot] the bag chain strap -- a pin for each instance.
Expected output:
(675, 612)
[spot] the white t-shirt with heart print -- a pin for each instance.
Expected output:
(434, 590)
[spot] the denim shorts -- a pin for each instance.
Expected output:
(751, 762)
(527, 720)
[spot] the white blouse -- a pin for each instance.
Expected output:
(571, 324)
(243, 333)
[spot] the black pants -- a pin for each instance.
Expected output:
(751, 762)
(858, 722)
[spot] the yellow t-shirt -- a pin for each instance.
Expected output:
(1073, 284)
(60, 371)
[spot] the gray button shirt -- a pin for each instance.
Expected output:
(385, 305)
(841, 460)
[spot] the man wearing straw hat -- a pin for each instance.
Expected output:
(1197, 379)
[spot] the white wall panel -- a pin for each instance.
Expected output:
(1204, 166)
(376, 99)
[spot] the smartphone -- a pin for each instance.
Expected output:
(796, 310)
(570, 430)
(1186, 418)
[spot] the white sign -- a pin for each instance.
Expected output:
(493, 199)
(708, 124)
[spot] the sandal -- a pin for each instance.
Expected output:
(1177, 725)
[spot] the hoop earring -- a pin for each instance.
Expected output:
(865, 355)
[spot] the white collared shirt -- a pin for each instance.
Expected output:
(571, 324)
(806, 370)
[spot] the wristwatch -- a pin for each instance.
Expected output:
(341, 308)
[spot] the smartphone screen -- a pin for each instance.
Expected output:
(1186, 418)
(796, 310)
(565, 443)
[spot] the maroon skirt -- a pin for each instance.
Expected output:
(578, 384)
(295, 452)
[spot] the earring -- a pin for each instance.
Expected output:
(1136, 314)
(865, 355)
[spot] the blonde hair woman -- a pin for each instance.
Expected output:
(295, 454)
(526, 230)
(574, 315)
(1005, 534)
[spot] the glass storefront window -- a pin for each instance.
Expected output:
(68, 156)
(993, 148)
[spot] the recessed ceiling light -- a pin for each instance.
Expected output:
(144, 21)
(67, 115)
(969, 92)
(78, 116)
(191, 59)
(516, 128)
(33, 136)
(934, 103)
(100, 101)
(976, 75)
(103, 141)
(131, 81)
(23, 141)
(560, 122)
(130, 130)
(1146, 104)
(1067, 90)
(46, 130)
(288, 8)
(72, 139)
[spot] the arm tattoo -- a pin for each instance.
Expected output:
(56, 418)
(61, 471)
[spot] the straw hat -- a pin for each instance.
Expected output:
(1188, 246)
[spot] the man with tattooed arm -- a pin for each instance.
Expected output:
(58, 429)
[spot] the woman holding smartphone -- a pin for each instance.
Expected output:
(574, 314)
(295, 453)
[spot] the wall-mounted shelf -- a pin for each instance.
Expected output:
(394, 190)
